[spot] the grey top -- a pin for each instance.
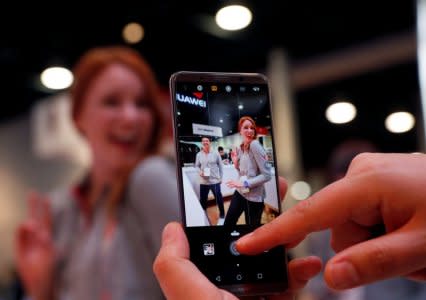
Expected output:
(213, 161)
(255, 166)
(87, 266)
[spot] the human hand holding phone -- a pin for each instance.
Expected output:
(172, 264)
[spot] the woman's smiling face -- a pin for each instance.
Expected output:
(116, 119)
(247, 131)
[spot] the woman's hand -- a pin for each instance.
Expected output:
(234, 184)
(234, 157)
(34, 249)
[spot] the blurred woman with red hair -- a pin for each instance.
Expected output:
(98, 239)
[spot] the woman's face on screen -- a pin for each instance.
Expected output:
(247, 131)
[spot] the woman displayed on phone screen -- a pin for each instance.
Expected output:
(251, 161)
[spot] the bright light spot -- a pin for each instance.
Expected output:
(56, 78)
(399, 122)
(233, 17)
(340, 112)
(300, 190)
(133, 33)
(240, 107)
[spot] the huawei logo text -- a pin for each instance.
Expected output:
(191, 100)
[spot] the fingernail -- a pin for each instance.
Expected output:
(168, 233)
(244, 239)
(343, 275)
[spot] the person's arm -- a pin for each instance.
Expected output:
(235, 158)
(220, 165)
(378, 189)
(261, 160)
(153, 194)
(198, 163)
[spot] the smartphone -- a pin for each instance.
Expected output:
(224, 196)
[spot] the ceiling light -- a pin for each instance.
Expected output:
(399, 122)
(300, 190)
(233, 17)
(56, 78)
(133, 33)
(340, 112)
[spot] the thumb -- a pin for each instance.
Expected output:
(170, 259)
(174, 243)
(376, 259)
(172, 265)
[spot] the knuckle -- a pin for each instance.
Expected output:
(367, 163)
(160, 265)
(302, 210)
(303, 207)
(362, 161)
(362, 157)
(381, 259)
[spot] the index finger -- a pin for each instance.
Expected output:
(329, 207)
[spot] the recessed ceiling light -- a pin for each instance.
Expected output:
(233, 17)
(56, 78)
(300, 190)
(133, 33)
(399, 122)
(340, 112)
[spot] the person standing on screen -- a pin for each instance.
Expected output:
(223, 155)
(251, 161)
(210, 167)
(230, 156)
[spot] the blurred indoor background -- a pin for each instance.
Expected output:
(361, 55)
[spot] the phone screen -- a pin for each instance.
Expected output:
(227, 176)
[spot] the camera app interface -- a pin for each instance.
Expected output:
(228, 179)
(226, 154)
